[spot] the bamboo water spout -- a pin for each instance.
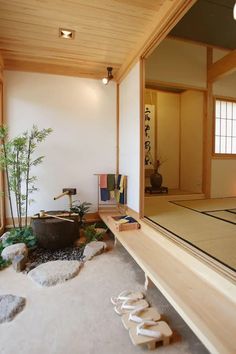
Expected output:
(69, 192)
(43, 214)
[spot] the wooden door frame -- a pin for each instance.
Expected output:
(182, 7)
(2, 197)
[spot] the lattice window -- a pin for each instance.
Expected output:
(225, 127)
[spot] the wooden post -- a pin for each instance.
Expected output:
(142, 124)
(208, 130)
(2, 199)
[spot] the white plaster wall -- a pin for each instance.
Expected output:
(129, 135)
(219, 53)
(225, 86)
(82, 114)
(223, 181)
(179, 62)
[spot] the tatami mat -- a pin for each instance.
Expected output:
(209, 234)
(223, 215)
(208, 204)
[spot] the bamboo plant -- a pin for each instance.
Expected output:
(17, 160)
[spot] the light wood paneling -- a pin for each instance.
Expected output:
(107, 33)
(191, 140)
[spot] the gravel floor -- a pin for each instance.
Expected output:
(41, 255)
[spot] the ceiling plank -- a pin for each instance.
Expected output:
(107, 32)
(222, 67)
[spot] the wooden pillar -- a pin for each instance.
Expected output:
(117, 128)
(2, 197)
(142, 123)
(208, 130)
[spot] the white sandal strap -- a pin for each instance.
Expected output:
(141, 330)
(132, 305)
(127, 295)
(134, 315)
(124, 294)
(121, 297)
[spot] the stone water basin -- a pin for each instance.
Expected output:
(53, 233)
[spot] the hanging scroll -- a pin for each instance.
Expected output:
(149, 135)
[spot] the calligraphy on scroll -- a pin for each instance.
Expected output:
(149, 135)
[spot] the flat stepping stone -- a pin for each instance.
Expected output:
(93, 249)
(54, 272)
(10, 252)
(5, 236)
(10, 306)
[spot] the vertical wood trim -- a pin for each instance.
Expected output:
(117, 128)
(204, 127)
(208, 126)
(180, 138)
(2, 198)
(142, 170)
(156, 126)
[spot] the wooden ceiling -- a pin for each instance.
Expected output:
(107, 33)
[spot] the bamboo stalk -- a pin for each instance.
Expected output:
(42, 214)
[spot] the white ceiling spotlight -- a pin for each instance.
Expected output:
(234, 11)
(109, 76)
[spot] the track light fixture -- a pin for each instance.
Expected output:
(109, 76)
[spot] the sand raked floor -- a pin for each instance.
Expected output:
(77, 317)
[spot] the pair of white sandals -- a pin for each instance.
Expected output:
(141, 320)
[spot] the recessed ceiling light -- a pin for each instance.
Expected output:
(66, 33)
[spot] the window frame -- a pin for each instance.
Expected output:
(217, 155)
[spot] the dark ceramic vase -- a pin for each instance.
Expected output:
(156, 180)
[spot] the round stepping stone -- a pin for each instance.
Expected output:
(10, 306)
(17, 249)
(54, 272)
(93, 249)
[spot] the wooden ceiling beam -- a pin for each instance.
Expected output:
(46, 68)
(222, 67)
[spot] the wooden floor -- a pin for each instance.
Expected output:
(193, 222)
(204, 298)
